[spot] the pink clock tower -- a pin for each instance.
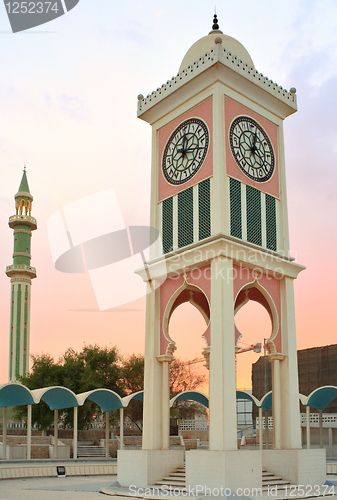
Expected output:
(218, 198)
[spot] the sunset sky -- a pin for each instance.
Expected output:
(68, 97)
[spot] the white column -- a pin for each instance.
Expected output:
(290, 407)
(320, 416)
(4, 432)
(152, 418)
(222, 394)
(121, 428)
(75, 431)
(266, 428)
(276, 387)
(29, 432)
(166, 406)
(260, 429)
(56, 432)
(307, 413)
(107, 425)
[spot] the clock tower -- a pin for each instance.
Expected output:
(218, 198)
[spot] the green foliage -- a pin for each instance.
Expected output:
(92, 368)
(101, 367)
(132, 373)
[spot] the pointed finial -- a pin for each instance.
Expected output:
(215, 26)
(24, 167)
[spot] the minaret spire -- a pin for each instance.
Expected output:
(21, 274)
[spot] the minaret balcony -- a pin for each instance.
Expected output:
(21, 269)
(28, 220)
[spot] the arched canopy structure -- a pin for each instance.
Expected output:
(106, 399)
(321, 397)
(14, 394)
(57, 398)
(197, 396)
(138, 396)
(248, 396)
(267, 401)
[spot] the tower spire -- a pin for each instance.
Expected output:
(215, 26)
(21, 274)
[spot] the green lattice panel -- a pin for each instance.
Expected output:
(271, 226)
(204, 195)
(254, 226)
(235, 207)
(167, 225)
(185, 218)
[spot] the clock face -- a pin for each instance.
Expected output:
(252, 149)
(185, 151)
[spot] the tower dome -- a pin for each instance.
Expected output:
(206, 44)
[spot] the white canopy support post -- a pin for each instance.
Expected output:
(260, 429)
(107, 454)
(329, 451)
(307, 412)
(266, 428)
(56, 432)
(121, 428)
(75, 432)
(29, 432)
(320, 414)
(4, 432)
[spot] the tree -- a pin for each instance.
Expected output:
(183, 377)
(132, 373)
(186, 377)
(92, 368)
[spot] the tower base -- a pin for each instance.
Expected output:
(234, 470)
(223, 469)
(304, 467)
(143, 468)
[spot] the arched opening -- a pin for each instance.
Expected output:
(187, 325)
(254, 324)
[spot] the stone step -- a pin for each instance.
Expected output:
(272, 480)
(171, 483)
(178, 474)
(174, 478)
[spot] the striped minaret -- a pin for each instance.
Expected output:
(21, 274)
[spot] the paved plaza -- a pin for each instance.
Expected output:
(72, 488)
(65, 488)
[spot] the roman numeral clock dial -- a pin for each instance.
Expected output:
(185, 151)
(252, 149)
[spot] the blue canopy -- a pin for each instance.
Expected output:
(106, 399)
(197, 396)
(267, 401)
(57, 398)
(14, 394)
(321, 397)
(139, 396)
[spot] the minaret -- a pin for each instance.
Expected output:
(21, 274)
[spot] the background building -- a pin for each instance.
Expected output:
(317, 366)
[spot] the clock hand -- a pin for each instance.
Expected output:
(254, 148)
